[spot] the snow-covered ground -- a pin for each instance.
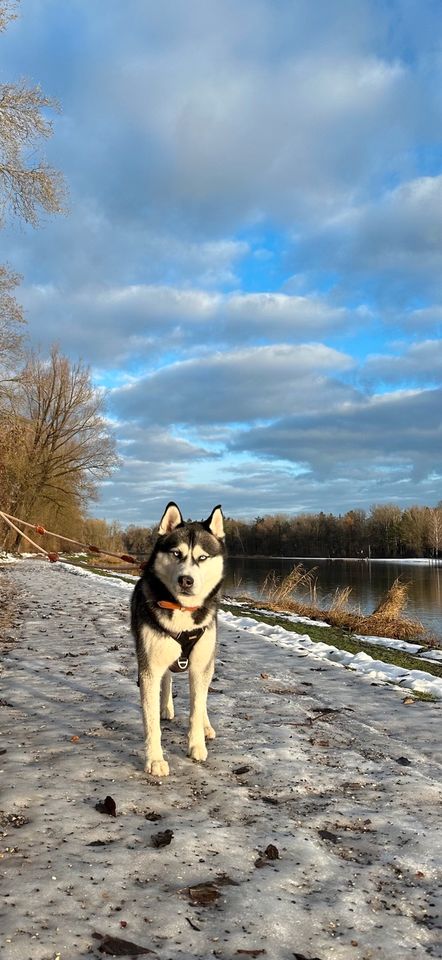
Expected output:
(337, 772)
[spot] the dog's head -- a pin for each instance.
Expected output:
(189, 556)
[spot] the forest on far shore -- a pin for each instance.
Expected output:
(385, 530)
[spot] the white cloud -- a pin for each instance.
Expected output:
(417, 363)
(422, 319)
(110, 324)
(144, 445)
(260, 383)
(392, 244)
(395, 435)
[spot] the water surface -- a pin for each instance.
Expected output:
(368, 582)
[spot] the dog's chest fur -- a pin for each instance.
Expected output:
(180, 621)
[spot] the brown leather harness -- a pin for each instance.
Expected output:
(186, 639)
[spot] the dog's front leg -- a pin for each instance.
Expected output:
(166, 701)
(150, 685)
(199, 726)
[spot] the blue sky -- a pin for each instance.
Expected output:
(251, 262)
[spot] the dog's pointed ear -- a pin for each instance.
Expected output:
(215, 523)
(171, 518)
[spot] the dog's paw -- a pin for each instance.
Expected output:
(157, 768)
(197, 751)
(167, 713)
(209, 732)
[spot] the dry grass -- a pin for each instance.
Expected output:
(388, 616)
(340, 600)
(394, 601)
(400, 628)
(8, 609)
(278, 589)
(387, 620)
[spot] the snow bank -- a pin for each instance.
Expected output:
(360, 662)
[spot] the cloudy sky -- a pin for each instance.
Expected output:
(252, 258)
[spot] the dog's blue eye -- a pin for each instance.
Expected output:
(202, 557)
(176, 554)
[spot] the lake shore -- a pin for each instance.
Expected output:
(366, 583)
(336, 773)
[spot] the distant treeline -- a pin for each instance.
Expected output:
(384, 531)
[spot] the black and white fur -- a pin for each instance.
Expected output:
(185, 567)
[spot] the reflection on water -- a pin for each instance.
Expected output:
(368, 582)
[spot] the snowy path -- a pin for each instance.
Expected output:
(350, 799)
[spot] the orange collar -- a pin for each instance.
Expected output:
(168, 605)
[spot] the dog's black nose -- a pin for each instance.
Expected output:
(185, 582)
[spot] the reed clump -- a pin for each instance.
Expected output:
(340, 600)
(387, 620)
(394, 601)
(278, 589)
(388, 616)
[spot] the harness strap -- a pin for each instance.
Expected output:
(187, 640)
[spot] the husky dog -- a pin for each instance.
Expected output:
(173, 619)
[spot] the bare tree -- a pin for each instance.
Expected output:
(138, 540)
(64, 446)
(106, 536)
(435, 529)
(27, 187)
(11, 322)
(8, 11)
